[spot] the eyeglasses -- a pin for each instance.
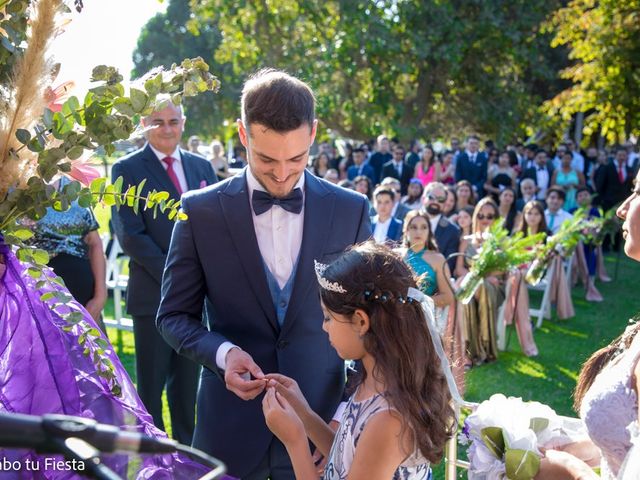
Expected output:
(490, 216)
(441, 199)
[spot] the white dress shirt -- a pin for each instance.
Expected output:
(542, 181)
(381, 230)
(434, 223)
(559, 218)
(177, 166)
(279, 235)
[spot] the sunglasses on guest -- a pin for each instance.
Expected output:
(489, 216)
(441, 199)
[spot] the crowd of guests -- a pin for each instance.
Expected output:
(436, 205)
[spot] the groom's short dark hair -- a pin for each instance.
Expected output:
(277, 100)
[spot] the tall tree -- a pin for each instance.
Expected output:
(603, 38)
(165, 40)
(410, 68)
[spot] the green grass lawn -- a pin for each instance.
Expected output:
(563, 344)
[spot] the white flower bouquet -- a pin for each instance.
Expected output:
(506, 434)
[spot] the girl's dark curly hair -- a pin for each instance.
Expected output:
(376, 280)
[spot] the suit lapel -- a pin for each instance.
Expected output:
(157, 172)
(237, 212)
(319, 205)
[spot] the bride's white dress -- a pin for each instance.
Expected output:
(610, 413)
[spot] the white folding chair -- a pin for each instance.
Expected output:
(117, 283)
(544, 310)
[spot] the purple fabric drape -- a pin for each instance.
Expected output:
(43, 370)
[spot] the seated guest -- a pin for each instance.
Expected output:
(463, 221)
(569, 179)
(501, 176)
(446, 233)
(541, 173)
(332, 176)
(359, 167)
(481, 313)
(400, 210)
(466, 197)
(413, 198)
(362, 184)
(448, 175)
(428, 169)
(449, 209)
(508, 211)
(320, 165)
(554, 214)
(527, 193)
(517, 304)
(587, 253)
(385, 227)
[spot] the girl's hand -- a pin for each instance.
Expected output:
(289, 389)
(281, 418)
(557, 465)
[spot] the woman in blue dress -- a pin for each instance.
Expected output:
(422, 256)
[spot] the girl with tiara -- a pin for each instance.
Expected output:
(400, 414)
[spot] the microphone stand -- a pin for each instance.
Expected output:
(76, 449)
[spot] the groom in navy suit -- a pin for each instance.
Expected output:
(248, 250)
(165, 167)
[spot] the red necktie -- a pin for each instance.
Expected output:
(620, 174)
(172, 173)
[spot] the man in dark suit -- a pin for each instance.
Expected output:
(397, 168)
(447, 233)
(541, 173)
(248, 248)
(616, 181)
(359, 166)
(146, 239)
(472, 166)
(381, 156)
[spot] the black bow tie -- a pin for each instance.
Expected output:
(263, 201)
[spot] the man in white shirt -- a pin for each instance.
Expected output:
(386, 228)
(554, 214)
(248, 251)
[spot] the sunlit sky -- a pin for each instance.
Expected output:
(105, 33)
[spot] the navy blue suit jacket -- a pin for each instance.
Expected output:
(214, 255)
(476, 172)
(447, 237)
(367, 170)
(146, 239)
(394, 233)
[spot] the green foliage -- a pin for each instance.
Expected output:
(407, 68)
(13, 27)
(498, 253)
(603, 38)
(107, 114)
(167, 37)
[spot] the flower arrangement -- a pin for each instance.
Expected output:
(499, 253)
(506, 435)
(40, 138)
(563, 242)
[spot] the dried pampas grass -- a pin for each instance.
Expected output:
(30, 77)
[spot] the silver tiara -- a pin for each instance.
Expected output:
(324, 283)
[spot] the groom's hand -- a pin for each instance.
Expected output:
(237, 375)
